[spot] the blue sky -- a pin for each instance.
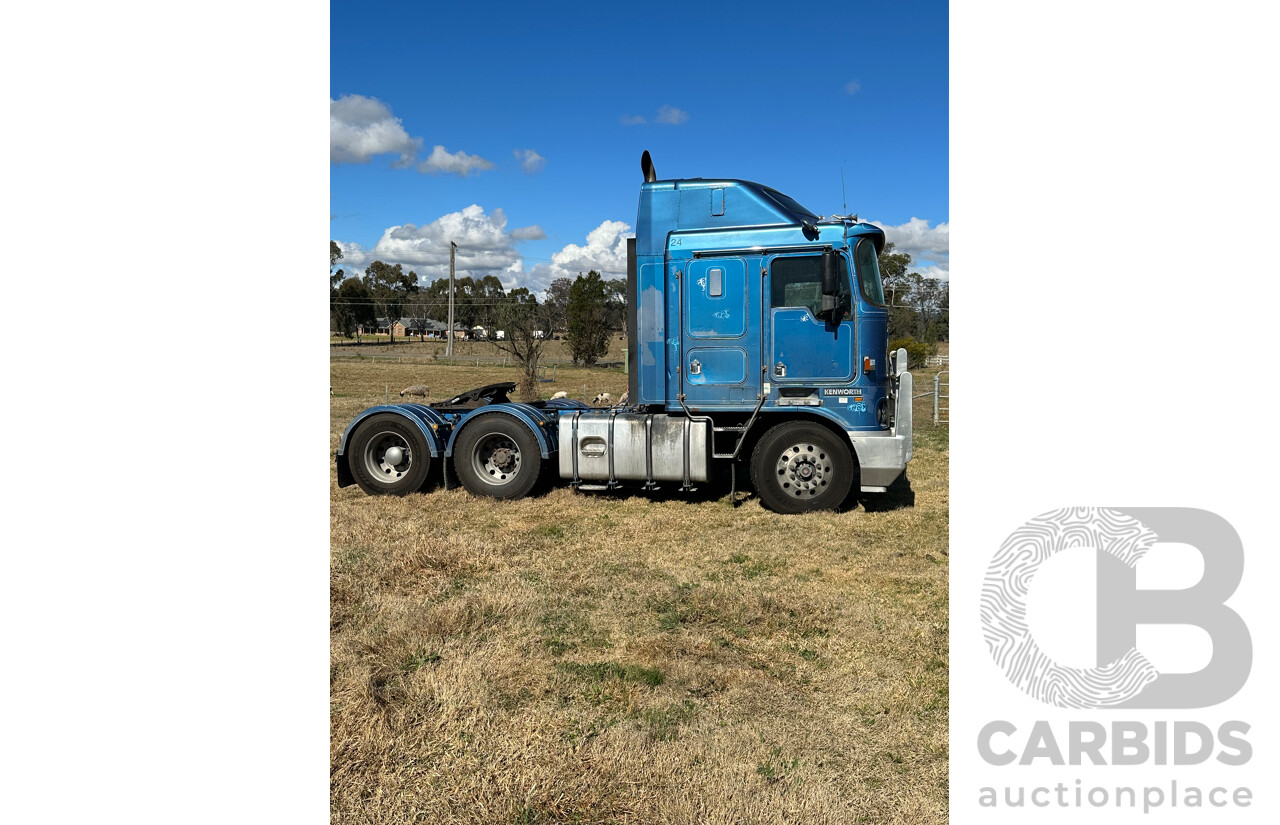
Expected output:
(541, 114)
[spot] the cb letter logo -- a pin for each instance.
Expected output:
(1123, 678)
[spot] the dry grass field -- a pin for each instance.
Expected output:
(633, 657)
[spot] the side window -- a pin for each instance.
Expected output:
(797, 281)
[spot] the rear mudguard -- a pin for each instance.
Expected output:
(542, 425)
(434, 427)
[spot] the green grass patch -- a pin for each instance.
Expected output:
(602, 671)
(664, 723)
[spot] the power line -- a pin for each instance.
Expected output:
(503, 256)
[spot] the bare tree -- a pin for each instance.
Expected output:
(526, 326)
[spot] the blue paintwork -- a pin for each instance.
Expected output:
(542, 425)
(680, 239)
(432, 424)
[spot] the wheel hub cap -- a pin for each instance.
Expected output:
(804, 470)
(388, 456)
(502, 458)
(496, 459)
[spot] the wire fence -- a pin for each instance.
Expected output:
(940, 397)
(466, 360)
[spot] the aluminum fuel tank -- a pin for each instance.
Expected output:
(605, 446)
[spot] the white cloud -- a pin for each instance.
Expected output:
(937, 272)
(632, 120)
(528, 233)
(605, 252)
(852, 87)
(530, 161)
(672, 116)
(458, 163)
(354, 259)
(485, 246)
(929, 247)
(361, 127)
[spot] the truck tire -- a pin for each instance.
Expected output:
(388, 456)
(497, 456)
(800, 467)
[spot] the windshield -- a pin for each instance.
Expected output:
(864, 257)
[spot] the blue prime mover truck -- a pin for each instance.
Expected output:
(757, 336)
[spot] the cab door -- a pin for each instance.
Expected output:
(804, 349)
(720, 365)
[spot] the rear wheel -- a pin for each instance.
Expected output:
(497, 456)
(800, 467)
(389, 456)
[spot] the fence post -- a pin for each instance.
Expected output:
(937, 384)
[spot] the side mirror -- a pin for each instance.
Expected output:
(830, 309)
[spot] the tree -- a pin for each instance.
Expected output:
(464, 309)
(335, 278)
(925, 297)
(558, 304)
(944, 312)
(433, 301)
(391, 288)
(487, 295)
(588, 332)
(353, 306)
(525, 324)
(897, 288)
(615, 293)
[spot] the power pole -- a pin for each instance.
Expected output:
(448, 347)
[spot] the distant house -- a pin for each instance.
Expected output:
(423, 327)
(385, 327)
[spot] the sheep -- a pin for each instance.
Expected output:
(561, 394)
(416, 389)
(626, 397)
(604, 399)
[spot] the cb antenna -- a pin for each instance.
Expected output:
(844, 200)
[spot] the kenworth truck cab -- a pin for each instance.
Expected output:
(757, 335)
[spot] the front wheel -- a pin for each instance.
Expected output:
(497, 456)
(800, 467)
(388, 456)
